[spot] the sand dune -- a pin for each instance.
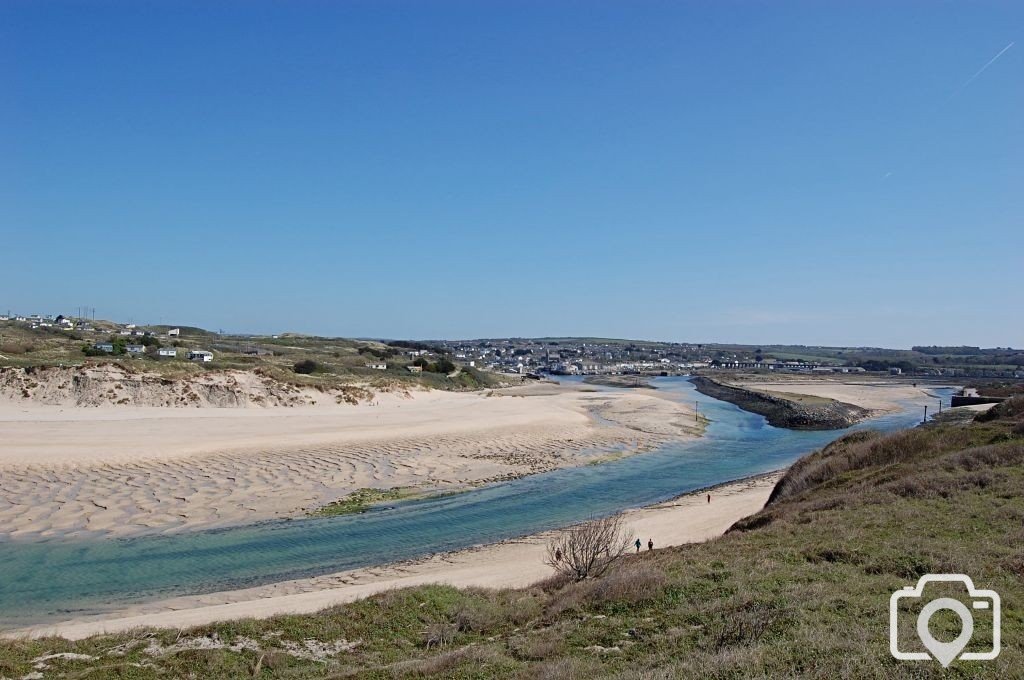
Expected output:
(509, 564)
(116, 471)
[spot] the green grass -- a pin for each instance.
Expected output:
(800, 589)
(362, 499)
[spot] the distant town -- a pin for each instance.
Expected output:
(542, 356)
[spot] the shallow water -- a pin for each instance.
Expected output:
(62, 579)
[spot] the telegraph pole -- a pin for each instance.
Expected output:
(925, 414)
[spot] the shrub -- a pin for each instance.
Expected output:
(535, 648)
(746, 624)
(478, 616)
(630, 584)
(439, 634)
(587, 550)
(90, 351)
(442, 366)
(305, 367)
(1012, 408)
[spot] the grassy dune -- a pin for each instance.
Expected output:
(339, 361)
(800, 589)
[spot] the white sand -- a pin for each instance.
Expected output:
(874, 396)
(511, 564)
(124, 470)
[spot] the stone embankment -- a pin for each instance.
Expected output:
(781, 412)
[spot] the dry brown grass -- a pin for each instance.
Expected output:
(1012, 408)
(568, 668)
(536, 647)
(445, 663)
(862, 450)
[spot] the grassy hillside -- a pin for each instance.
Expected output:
(800, 589)
(339, 361)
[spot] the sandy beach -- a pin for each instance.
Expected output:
(118, 470)
(510, 564)
(876, 396)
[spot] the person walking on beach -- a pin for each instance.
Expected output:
(650, 544)
(637, 544)
(709, 498)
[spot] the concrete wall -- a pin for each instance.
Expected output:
(971, 401)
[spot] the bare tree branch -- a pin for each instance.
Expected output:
(587, 550)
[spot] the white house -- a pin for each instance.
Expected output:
(167, 352)
(174, 332)
(135, 349)
(200, 355)
(378, 367)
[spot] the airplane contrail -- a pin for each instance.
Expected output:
(987, 64)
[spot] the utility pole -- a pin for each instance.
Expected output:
(925, 414)
(940, 404)
(696, 411)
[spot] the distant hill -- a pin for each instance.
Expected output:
(334, 362)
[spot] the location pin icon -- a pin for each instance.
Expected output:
(945, 652)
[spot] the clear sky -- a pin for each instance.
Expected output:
(816, 172)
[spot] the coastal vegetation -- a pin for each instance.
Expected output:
(306, 367)
(628, 381)
(362, 500)
(798, 589)
(292, 359)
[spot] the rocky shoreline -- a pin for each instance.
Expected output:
(781, 412)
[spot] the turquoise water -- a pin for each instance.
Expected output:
(61, 579)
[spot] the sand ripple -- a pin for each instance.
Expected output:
(166, 493)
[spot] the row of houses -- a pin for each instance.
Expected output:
(81, 324)
(198, 355)
(40, 320)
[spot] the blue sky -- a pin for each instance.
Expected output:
(818, 173)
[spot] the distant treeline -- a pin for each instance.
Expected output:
(953, 349)
(883, 365)
(380, 353)
(412, 344)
